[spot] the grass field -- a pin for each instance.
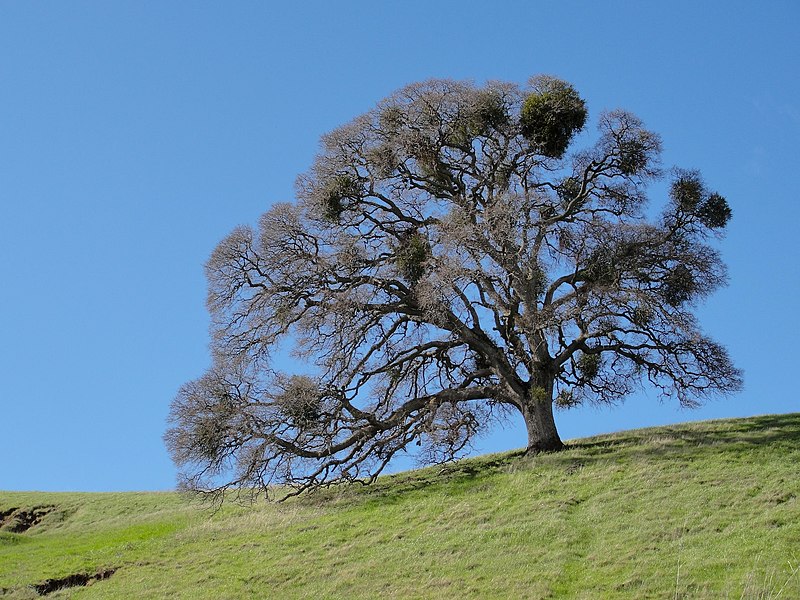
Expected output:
(701, 510)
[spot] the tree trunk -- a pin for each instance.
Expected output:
(537, 410)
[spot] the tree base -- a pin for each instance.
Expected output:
(542, 448)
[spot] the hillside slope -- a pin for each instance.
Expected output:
(701, 510)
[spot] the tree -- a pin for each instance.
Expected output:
(450, 260)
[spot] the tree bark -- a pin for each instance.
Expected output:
(537, 410)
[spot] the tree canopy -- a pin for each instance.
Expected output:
(452, 258)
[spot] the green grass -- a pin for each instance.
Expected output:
(701, 510)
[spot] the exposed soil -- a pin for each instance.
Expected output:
(18, 520)
(79, 579)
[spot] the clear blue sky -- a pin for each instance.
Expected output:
(135, 135)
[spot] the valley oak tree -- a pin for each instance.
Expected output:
(451, 259)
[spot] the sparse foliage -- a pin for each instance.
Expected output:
(450, 260)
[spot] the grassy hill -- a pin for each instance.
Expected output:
(700, 510)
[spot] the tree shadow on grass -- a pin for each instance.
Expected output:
(687, 441)
(451, 476)
(690, 439)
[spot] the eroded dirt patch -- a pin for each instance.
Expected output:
(18, 520)
(76, 580)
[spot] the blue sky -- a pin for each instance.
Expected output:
(135, 135)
